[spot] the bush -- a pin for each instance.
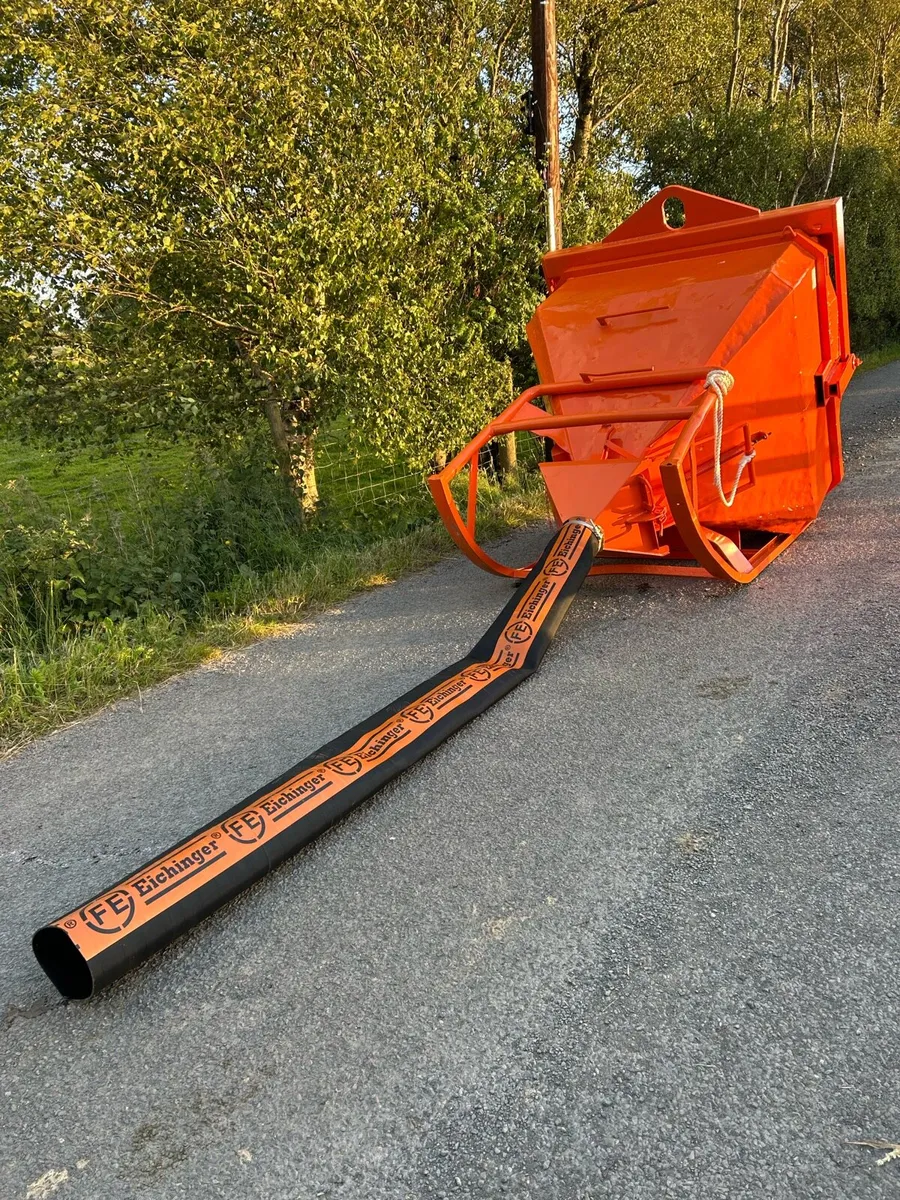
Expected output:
(172, 546)
(188, 543)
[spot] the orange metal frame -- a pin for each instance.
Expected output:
(716, 555)
(647, 247)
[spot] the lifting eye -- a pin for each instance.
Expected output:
(673, 213)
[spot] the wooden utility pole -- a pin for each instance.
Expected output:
(546, 111)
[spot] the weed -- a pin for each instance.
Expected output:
(695, 841)
(880, 357)
(145, 581)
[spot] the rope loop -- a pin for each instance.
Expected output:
(721, 382)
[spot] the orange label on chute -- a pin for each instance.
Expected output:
(223, 844)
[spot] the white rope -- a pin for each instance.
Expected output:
(721, 383)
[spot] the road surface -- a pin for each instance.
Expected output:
(632, 934)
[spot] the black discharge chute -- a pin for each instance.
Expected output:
(112, 933)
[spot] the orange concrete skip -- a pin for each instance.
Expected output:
(624, 346)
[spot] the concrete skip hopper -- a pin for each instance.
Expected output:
(692, 379)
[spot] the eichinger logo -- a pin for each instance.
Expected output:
(556, 566)
(111, 914)
(247, 827)
(518, 632)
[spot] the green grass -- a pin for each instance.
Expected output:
(70, 480)
(55, 670)
(880, 357)
(180, 558)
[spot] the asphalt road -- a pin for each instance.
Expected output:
(633, 933)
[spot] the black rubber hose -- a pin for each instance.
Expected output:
(84, 950)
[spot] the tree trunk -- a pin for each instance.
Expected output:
(881, 84)
(775, 49)
(293, 437)
(835, 142)
(735, 54)
(785, 35)
(838, 130)
(584, 119)
(506, 456)
(800, 182)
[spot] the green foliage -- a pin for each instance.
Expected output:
(175, 545)
(208, 208)
(603, 199)
(57, 665)
(868, 175)
(772, 104)
(751, 155)
(888, 353)
(334, 206)
(185, 543)
(760, 157)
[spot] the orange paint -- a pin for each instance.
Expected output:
(623, 345)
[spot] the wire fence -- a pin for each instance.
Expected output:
(357, 480)
(360, 490)
(362, 482)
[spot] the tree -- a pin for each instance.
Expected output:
(300, 211)
(806, 109)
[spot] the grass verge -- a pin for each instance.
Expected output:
(880, 357)
(45, 687)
